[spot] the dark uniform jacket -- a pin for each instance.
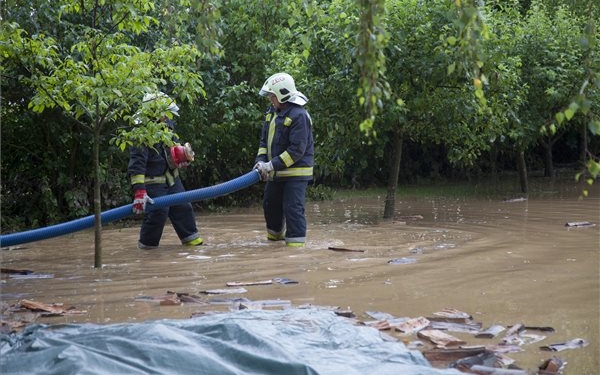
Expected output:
(287, 141)
(147, 165)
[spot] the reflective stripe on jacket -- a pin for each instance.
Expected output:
(168, 178)
(149, 166)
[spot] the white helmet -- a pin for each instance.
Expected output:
(283, 87)
(164, 98)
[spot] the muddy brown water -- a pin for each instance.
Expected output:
(503, 263)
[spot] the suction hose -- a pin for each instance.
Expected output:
(210, 192)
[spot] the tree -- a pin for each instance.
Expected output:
(435, 97)
(87, 66)
(553, 69)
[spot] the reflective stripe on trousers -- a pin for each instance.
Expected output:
(283, 206)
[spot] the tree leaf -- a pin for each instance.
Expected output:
(569, 113)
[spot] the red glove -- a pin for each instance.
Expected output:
(139, 201)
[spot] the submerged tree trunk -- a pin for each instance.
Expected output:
(549, 165)
(493, 162)
(583, 144)
(522, 171)
(390, 199)
(97, 202)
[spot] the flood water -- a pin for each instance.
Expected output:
(503, 263)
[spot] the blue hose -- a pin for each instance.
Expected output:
(214, 191)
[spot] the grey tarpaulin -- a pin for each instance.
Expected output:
(283, 342)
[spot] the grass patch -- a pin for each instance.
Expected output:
(506, 187)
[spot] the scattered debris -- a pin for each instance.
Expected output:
(412, 325)
(27, 276)
(504, 348)
(417, 250)
(543, 329)
(187, 298)
(447, 351)
(453, 314)
(55, 309)
(440, 338)
(409, 217)
(198, 257)
(10, 326)
(380, 325)
(225, 291)
(384, 321)
(278, 280)
(246, 283)
(442, 246)
(402, 260)
(170, 299)
(551, 366)
(335, 309)
(580, 224)
(448, 355)
(452, 352)
(490, 332)
(486, 358)
(283, 280)
(227, 301)
(573, 344)
(10, 248)
(469, 327)
(378, 315)
(521, 339)
(261, 305)
(14, 271)
(512, 335)
(515, 200)
(344, 249)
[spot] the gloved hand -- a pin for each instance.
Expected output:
(139, 201)
(264, 169)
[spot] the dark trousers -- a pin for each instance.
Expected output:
(182, 216)
(283, 204)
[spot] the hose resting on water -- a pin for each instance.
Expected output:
(210, 192)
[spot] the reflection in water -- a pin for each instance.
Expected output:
(504, 263)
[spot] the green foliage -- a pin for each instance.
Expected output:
(370, 59)
(587, 99)
(469, 33)
(429, 105)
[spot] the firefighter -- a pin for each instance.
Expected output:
(154, 172)
(285, 160)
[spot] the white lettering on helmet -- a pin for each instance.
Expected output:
(276, 80)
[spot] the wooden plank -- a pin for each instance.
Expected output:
(452, 354)
(225, 291)
(246, 283)
(344, 249)
(440, 338)
(40, 306)
(412, 325)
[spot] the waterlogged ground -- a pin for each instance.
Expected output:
(502, 262)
